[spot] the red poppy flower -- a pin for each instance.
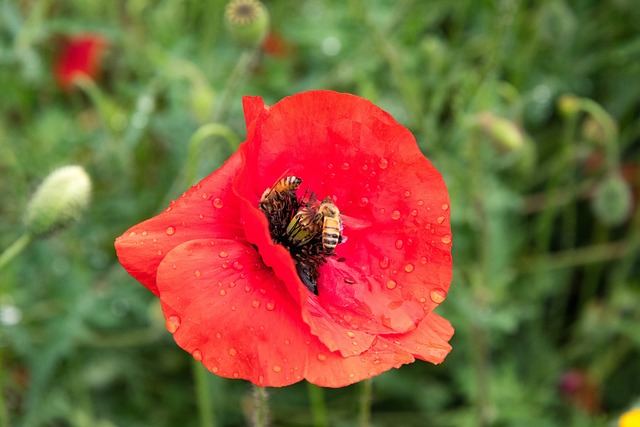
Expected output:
(80, 57)
(233, 298)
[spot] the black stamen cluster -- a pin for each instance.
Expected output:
(280, 209)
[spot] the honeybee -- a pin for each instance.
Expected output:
(283, 185)
(331, 224)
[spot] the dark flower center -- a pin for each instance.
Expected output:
(307, 228)
(242, 12)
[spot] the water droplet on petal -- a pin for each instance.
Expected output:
(345, 166)
(223, 254)
(391, 284)
(236, 265)
(409, 268)
(233, 351)
(384, 263)
(446, 239)
(173, 323)
(414, 212)
(247, 288)
(160, 252)
(232, 284)
(423, 260)
(222, 292)
(365, 167)
(133, 233)
(255, 303)
(399, 244)
(277, 368)
(144, 233)
(440, 220)
(197, 273)
(383, 163)
(271, 306)
(445, 206)
(322, 357)
(205, 196)
(214, 369)
(363, 202)
(396, 214)
(217, 203)
(197, 354)
(437, 295)
(420, 202)
(350, 334)
(170, 231)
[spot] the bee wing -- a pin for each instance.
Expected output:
(354, 223)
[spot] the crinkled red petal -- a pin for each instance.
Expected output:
(230, 311)
(394, 202)
(208, 209)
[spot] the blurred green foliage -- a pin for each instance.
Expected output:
(530, 110)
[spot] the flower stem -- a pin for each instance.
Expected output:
(318, 407)
(260, 406)
(211, 129)
(366, 397)
(203, 395)
(15, 249)
(239, 72)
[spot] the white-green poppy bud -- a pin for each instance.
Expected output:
(59, 200)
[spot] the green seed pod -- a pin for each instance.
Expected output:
(60, 199)
(247, 22)
(506, 136)
(612, 200)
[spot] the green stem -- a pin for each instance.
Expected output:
(366, 398)
(318, 407)
(260, 406)
(237, 75)
(204, 132)
(15, 249)
(203, 395)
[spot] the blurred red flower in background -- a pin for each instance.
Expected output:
(233, 298)
(80, 56)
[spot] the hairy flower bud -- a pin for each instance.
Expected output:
(505, 134)
(59, 200)
(247, 21)
(612, 200)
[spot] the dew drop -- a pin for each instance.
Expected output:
(205, 196)
(233, 351)
(144, 233)
(215, 369)
(236, 265)
(440, 220)
(445, 206)
(133, 233)
(409, 268)
(232, 284)
(201, 216)
(173, 323)
(384, 263)
(222, 292)
(218, 335)
(322, 357)
(437, 295)
(247, 288)
(420, 202)
(271, 306)
(350, 334)
(345, 166)
(407, 193)
(170, 231)
(423, 260)
(197, 273)
(197, 354)
(365, 167)
(160, 252)
(277, 368)
(414, 212)
(234, 308)
(446, 239)
(399, 244)
(363, 202)
(255, 303)
(330, 166)
(391, 284)
(396, 214)
(217, 203)
(223, 254)
(383, 163)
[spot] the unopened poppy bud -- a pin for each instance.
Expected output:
(247, 21)
(59, 200)
(569, 105)
(611, 202)
(506, 135)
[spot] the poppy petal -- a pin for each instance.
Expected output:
(208, 209)
(344, 147)
(206, 288)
